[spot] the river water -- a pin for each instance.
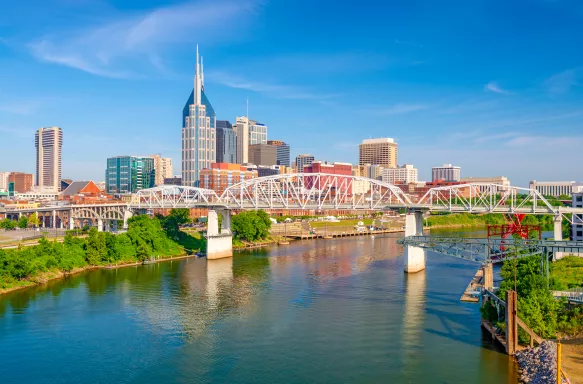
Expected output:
(320, 311)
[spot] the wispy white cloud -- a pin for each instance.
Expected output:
(563, 82)
(271, 89)
(103, 49)
(493, 86)
(400, 109)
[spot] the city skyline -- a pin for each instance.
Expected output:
(485, 107)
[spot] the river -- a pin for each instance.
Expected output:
(320, 311)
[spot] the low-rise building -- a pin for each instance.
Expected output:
(498, 180)
(175, 180)
(405, 174)
(325, 182)
(553, 188)
(220, 176)
(84, 192)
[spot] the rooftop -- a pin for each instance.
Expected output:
(380, 140)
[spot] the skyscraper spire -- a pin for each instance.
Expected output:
(197, 80)
(201, 74)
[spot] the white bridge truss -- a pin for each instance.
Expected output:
(490, 198)
(318, 191)
(171, 196)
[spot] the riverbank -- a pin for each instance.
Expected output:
(45, 277)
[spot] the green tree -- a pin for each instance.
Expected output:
(95, 248)
(33, 220)
(8, 224)
(23, 222)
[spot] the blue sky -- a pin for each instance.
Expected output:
(495, 87)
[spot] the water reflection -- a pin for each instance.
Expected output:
(314, 311)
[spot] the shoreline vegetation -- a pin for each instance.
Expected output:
(158, 237)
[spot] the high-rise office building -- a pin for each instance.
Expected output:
(22, 181)
(303, 160)
(163, 168)
(382, 151)
(249, 132)
(198, 130)
(447, 172)
(283, 152)
(49, 144)
(129, 174)
(226, 142)
(263, 154)
(400, 175)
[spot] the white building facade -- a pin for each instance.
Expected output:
(447, 172)
(198, 131)
(553, 188)
(400, 175)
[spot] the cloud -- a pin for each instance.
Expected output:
(400, 109)
(137, 38)
(493, 86)
(561, 83)
(271, 89)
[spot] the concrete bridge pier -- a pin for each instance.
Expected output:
(414, 256)
(219, 242)
(126, 216)
(558, 234)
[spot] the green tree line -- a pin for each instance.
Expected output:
(144, 238)
(537, 307)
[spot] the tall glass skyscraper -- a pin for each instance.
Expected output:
(226, 142)
(129, 174)
(198, 131)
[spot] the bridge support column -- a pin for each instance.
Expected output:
(414, 256)
(126, 216)
(99, 225)
(558, 234)
(219, 243)
(488, 278)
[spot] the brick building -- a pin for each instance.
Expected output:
(22, 181)
(220, 176)
(329, 168)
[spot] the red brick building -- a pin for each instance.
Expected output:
(84, 192)
(22, 181)
(220, 176)
(325, 182)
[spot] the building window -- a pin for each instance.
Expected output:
(579, 233)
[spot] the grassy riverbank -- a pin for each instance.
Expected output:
(472, 220)
(48, 260)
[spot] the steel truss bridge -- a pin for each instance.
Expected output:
(491, 250)
(318, 191)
